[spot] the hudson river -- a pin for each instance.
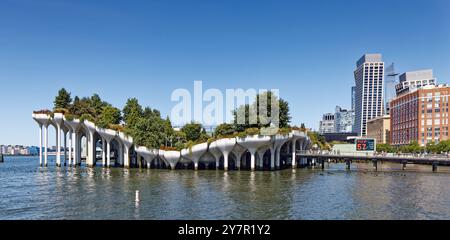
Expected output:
(28, 191)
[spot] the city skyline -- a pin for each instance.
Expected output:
(111, 60)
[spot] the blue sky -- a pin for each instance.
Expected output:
(146, 49)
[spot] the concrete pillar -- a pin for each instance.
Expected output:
(40, 145)
(195, 166)
(120, 154)
(76, 149)
(108, 153)
(45, 144)
(70, 147)
(252, 159)
(58, 145)
(126, 156)
(278, 158)
(293, 154)
(65, 147)
(225, 160)
(272, 158)
(91, 150)
(103, 153)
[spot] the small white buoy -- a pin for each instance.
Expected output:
(137, 196)
(136, 200)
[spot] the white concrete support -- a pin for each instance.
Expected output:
(225, 161)
(40, 145)
(226, 145)
(127, 143)
(126, 156)
(76, 149)
(91, 150)
(215, 151)
(65, 147)
(238, 150)
(45, 145)
(171, 157)
(103, 153)
(70, 147)
(252, 159)
(252, 143)
(272, 158)
(293, 153)
(260, 160)
(58, 145)
(195, 153)
(120, 154)
(278, 158)
(195, 166)
(108, 153)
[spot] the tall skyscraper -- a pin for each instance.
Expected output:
(353, 98)
(389, 86)
(369, 81)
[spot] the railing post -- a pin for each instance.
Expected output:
(347, 162)
(434, 166)
(375, 164)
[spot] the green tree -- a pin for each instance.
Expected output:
(132, 112)
(193, 131)
(259, 113)
(96, 105)
(147, 132)
(384, 147)
(110, 115)
(224, 129)
(63, 99)
(82, 107)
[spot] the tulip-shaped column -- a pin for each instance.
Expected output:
(253, 143)
(74, 127)
(226, 145)
(107, 136)
(195, 153)
(171, 157)
(238, 150)
(148, 154)
(277, 143)
(214, 150)
(43, 121)
(295, 135)
(91, 150)
(261, 152)
(58, 121)
(127, 143)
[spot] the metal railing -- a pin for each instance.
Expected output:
(374, 154)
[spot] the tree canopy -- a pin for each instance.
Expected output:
(259, 113)
(63, 99)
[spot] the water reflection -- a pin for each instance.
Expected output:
(32, 192)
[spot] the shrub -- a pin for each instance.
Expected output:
(43, 111)
(86, 116)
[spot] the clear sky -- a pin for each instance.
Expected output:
(146, 49)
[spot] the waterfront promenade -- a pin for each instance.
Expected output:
(321, 157)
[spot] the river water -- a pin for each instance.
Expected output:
(28, 191)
